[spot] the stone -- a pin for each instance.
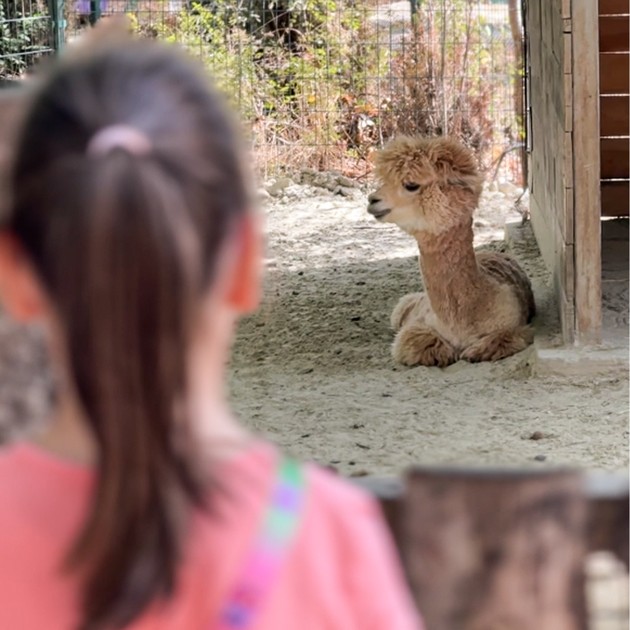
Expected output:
(277, 186)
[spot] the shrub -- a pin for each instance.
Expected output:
(319, 85)
(25, 30)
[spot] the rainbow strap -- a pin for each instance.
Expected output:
(265, 558)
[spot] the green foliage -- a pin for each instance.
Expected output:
(281, 63)
(24, 35)
(321, 84)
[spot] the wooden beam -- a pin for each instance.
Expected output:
(608, 502)
(615, 199)
(566, 9)
(614, 118)
(613, 73)
(615, 158)
(614, 7)
(614, 33)
(488, 549)
(586, 173)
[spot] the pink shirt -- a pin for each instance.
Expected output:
(341, 572)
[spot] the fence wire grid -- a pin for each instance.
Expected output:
(323, 83)
(26, 35)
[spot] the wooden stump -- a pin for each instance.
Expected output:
(496, 550)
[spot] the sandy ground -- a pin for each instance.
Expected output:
(312, 370)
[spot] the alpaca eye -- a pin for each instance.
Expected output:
(411, 187)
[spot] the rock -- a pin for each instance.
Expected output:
(344, 191)
(276, 187)
(308, 173)
(293, 191)
(262, 195)
(346, 182)
(307, 177)
(540, 458)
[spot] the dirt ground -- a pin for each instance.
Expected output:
(312, 370)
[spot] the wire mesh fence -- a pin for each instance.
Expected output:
(26, 34)
(323, 83)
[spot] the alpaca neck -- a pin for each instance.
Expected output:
(449, 269)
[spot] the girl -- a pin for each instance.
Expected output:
(144, 504)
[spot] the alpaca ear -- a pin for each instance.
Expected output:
(470, 182)
(456, 167)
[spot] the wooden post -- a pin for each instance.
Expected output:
(586, 172)
(496, 551)
(519, 84)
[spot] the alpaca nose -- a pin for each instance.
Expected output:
(375, 207)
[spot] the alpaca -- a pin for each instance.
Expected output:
(475, 307)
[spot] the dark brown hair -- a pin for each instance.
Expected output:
(126, 246)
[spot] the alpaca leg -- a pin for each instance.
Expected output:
(498, 345)
(416, 344)
(414, 303)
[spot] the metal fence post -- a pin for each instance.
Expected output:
(95, 11)
(57, 14)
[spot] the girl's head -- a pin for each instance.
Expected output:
(129, 233)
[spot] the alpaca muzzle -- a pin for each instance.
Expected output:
(375, 207)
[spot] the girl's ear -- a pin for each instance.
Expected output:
(21, 293)
(244, 292)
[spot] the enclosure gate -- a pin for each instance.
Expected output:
(577, 67)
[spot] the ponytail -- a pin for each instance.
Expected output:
(127, 320)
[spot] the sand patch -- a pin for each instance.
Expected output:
(312, 370)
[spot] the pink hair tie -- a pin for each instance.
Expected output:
(124, 137)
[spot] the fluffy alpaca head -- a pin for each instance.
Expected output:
(427, 184)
